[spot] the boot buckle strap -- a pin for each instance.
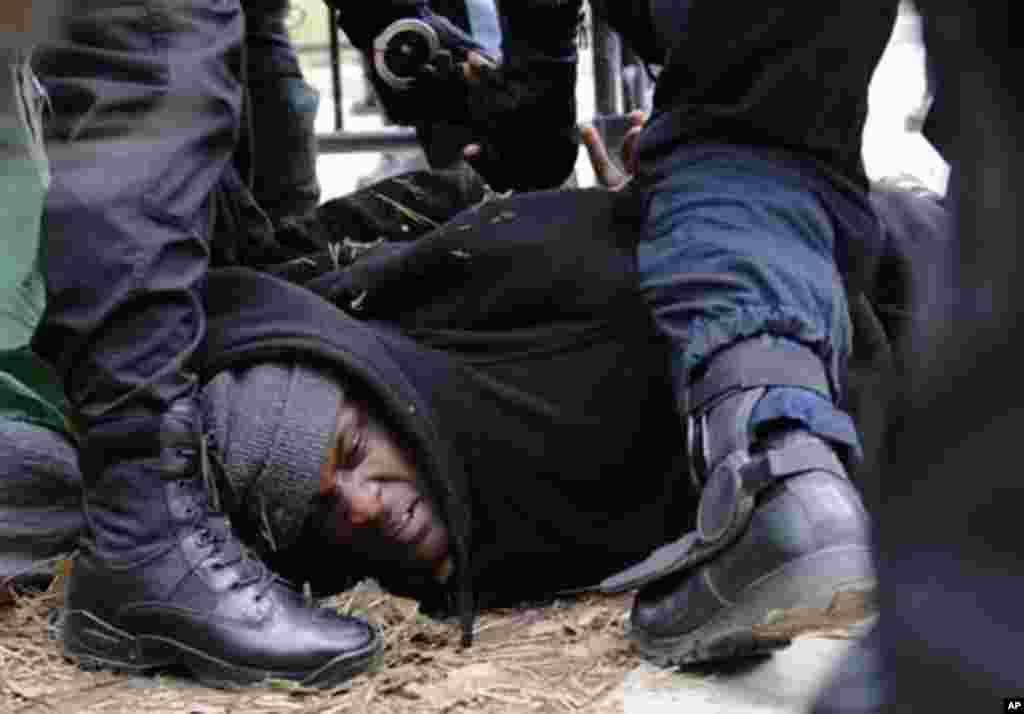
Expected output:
(726, 508)
(727, 502)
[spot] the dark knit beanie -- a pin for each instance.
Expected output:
(271, 427)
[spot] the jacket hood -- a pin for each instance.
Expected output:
(254, 317)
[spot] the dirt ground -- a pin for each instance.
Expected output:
(569, 656)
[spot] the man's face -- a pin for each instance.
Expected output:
(379, 506)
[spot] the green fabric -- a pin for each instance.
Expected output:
(29, 390)
(24, 178)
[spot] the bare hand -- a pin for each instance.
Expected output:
(475, 65)
(607, 172)
(473, 70)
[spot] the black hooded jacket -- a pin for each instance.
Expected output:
(512, 348)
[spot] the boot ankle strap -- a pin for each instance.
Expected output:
(726, 508)
(757, 362)
(718, 405)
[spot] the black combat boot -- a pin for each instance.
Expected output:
(779, 524)
(163, 580)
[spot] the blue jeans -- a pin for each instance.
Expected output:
(736, 246)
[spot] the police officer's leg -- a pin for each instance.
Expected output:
(146, 103)
(738, 267)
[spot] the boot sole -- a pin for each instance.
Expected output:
(97, 645)
(729, 634)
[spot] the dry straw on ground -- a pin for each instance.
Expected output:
(566, 657)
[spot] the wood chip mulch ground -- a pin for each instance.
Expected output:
(569, 656)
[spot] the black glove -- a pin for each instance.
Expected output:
(524, 115)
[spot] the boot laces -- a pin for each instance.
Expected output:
(230, 552)
(213, 528)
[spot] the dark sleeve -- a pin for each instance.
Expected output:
(527, 261)
(919, 247)
(635, 24)
(940, 123)
(540, 27)
(375, 219)
(532, 101)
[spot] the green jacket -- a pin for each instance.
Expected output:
(29, 390)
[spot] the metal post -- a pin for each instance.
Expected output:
(607, 68)
(344, 142)
(332, 29)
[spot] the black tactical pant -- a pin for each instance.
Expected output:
(148, 107)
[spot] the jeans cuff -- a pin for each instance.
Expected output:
(815, 413)
(705, 337)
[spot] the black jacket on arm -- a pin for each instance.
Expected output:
(511, 348)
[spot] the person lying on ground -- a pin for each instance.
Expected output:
(457, 431)
(489, 368)
(493, 358)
